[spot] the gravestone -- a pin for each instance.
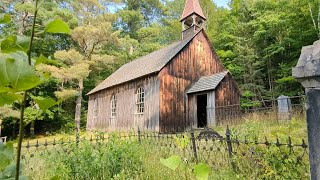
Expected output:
(307, 72)
(284, 108)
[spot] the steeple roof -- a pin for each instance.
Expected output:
(192, 6)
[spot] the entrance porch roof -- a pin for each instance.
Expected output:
(207, 83)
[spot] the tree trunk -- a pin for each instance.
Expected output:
(270, 80)
(13, 133)
(32, 134)
(0, 126)
(78, 108)
(315, 24)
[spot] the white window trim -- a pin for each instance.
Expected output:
(140, 100)
(95, 109)
(113, 106)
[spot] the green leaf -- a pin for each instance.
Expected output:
(201, 171)
(14, 44)
(41, 60)
(4, 161)
(8, 150)
(58, 26)
(55, 178)
(44, 103)
(16, 74)
(182, 142)
(4, 18)
(9, 98)
(172, 162)
(10, 171)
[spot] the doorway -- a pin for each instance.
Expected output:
(202, 110)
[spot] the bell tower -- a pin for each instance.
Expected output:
(192, 18)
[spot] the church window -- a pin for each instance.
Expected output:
(113, 105)
(140, 100)
(95, 109)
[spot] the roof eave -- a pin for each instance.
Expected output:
(97, 91)
(185, 17)
(209, 89)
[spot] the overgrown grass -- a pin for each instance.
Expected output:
(127, 159)
(115, 159)
(259, 127)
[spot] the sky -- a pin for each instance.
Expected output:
(223, 3)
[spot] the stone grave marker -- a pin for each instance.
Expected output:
(284, 108)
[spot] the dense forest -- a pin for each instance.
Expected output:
(259, 41)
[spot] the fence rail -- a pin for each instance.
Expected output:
(218, 151)
(273, 109)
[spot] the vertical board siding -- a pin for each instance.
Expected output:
(126, 118)
(167, 106)
(192, 111)
(197, 59)
(227, 100)
(211, 115)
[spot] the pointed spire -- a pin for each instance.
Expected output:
(191, 7)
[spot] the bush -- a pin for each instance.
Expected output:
(272, 163)
(107, 160)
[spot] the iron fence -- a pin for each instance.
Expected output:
(218, 151)
(266, 110)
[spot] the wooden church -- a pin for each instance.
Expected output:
(172, 89)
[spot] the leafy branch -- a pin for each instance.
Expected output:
(200, 170)
(24, 101)
(18, 76)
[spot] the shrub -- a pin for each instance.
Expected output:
(107, 160)
(272, 163)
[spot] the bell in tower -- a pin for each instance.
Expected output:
(192, 18)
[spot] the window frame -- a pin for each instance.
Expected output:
(95, 109)
(140, 100)
(113, 106)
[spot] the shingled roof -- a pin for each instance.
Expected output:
(207, 83)
(192, 6)
(143, 66)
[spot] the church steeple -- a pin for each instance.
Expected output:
(192, 18)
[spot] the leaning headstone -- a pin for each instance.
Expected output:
(307, 72)
(284, 108)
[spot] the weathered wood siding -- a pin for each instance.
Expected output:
(196, 60)
(211, 113)
(126, 117)
(227, 100)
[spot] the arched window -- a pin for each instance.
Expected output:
(113, 105)
(95, 109)
(140, 100)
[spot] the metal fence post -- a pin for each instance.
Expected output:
(139, 136)
(194, 147)
(229, 146)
